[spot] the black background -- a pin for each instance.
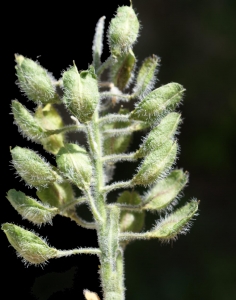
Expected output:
(196, 42)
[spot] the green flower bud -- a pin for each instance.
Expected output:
(156, 164)
(81, 94)
(121, 71)
(26, 123)
(37, 84)
(123, 30)
(175, 223)
(32, 168)
(56, 194)
(165, 97)
(29, 246)
(165, 191)
(74, 162)
(129, 220)
(30, 208)
(50, 119)
(146, 75)
(160, 134)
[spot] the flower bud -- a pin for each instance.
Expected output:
(160, 134)
(28, 245)
(26, 122)
(74, 163)
(56, 194)
(123, 30)
(146, 75)
(165, 97)
(130, 220)
(50, 119)
(32, 168)
(165, 191)
(121, 71)
(37, 84)
(30, 208)
(175, 223)
(81, 94)
(156, 164)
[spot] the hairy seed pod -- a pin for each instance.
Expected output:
(146, 75)
(158, 101)
(160, 134)
(123, 30)
(165, 191)
(28, 245)
(26, 122)
(32, 168)
(81, 94)
(156, 164)
(50, 119)
(37, 84)
(130, 220)
(56, 194)
(74, 163)
(30, 208)
(121, 72)
(175, 223)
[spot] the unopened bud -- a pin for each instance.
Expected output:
(160, 134)
(30, 208)
(28, 245)
(35, 81)
(123, 30)
(158, 101)
(81, 94)
(131, 220)
(156, 164)
(74, 163)
(165, 191)
(32, 168)
(175, 223)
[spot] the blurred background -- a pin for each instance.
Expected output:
(196, 42)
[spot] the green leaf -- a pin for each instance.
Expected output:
(156, 164)
(29, 246)
(81, 94)
(30, 208)
(123, 31)
(131, 220)
(32, 168)
(165, 191)
(158, 101)
(74, 163)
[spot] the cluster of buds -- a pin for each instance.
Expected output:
(101, 110)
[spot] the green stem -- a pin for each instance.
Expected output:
(62, 253)
(118, 185)
(119, 157)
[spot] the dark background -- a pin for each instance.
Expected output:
(196, 42)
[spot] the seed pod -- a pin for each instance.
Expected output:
(121, 72)
(123, 30)
(165, 97)
(56, 194)
(160, 134)
(165, 191)
(81, 94)
(30, 208)
(73, 161)
(50, 119)
(98, 43)
(32, 168)
(175, 223)
(28, 245)
(156, 164)
(37, 84)
(146, 75)
(26, 122)
(131, 220)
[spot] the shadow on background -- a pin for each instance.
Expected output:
(196, 42)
